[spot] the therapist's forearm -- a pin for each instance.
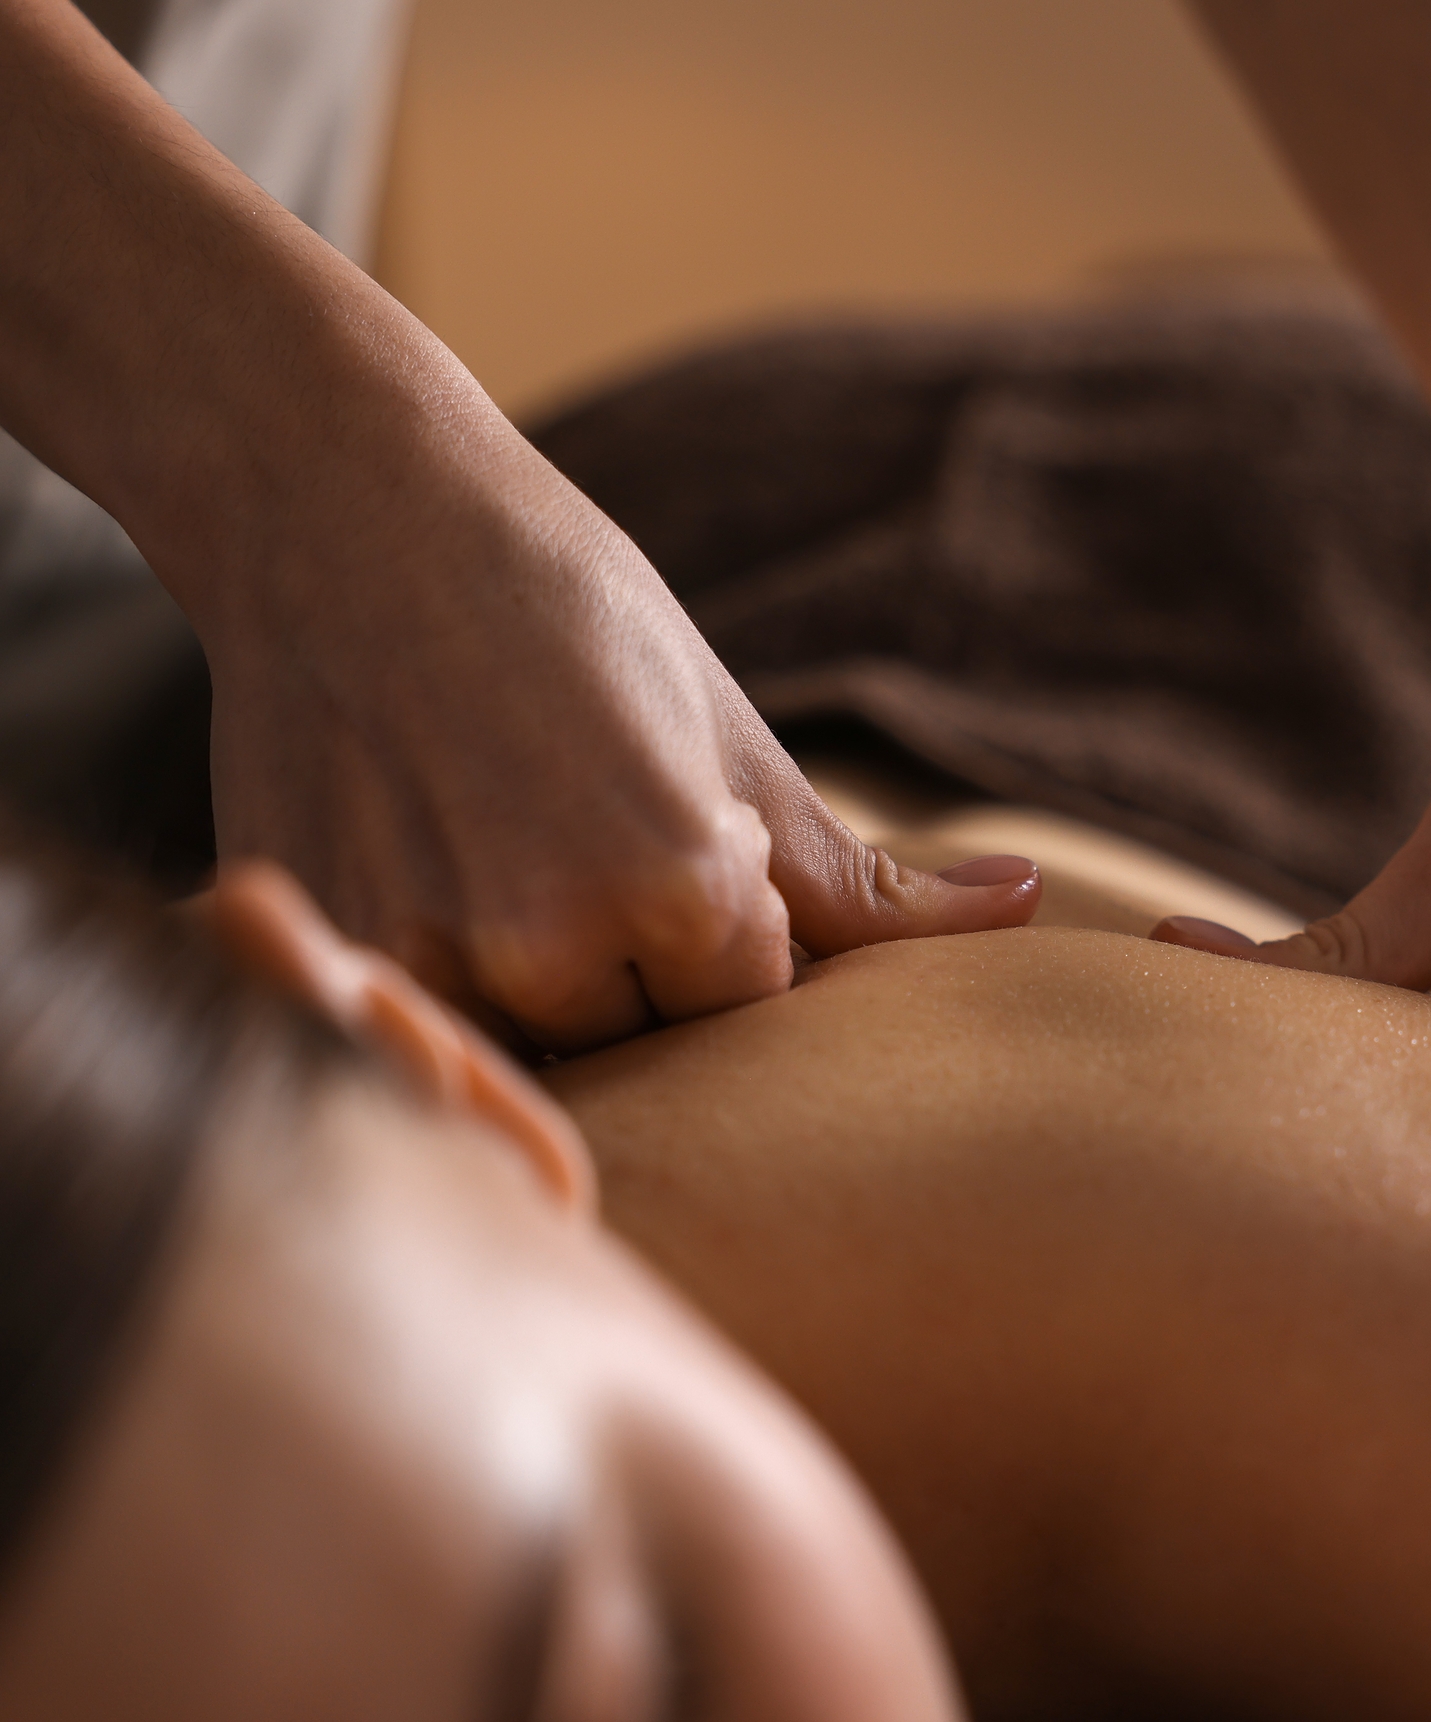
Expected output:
(1344, 86)
(176, 343)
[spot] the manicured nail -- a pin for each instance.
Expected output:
(1194, 927)
(989, 870)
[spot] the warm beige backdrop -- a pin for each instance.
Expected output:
(580, 183)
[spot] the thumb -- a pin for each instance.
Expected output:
(1383, 934)
(841, 892)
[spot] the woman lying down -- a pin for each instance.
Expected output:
(1105, 1265)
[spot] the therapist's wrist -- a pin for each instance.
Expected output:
(235, 392)
(335, 446)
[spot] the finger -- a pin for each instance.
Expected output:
(1331, 947)
(1383, 934)
(842, 892)
(564, 996)
(1356, 943)
(437, 964)
(700, 933)
(605, 1008)
(715, 932)
(752, 961)
(1196, 934)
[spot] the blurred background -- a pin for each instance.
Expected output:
(578, 186)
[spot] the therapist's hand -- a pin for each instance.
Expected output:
(472, 719)
(1383, 934)
(448, 693)
(1340, 86)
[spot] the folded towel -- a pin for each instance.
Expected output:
(1162, 565)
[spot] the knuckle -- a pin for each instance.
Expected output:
(889, 882)
(528, 972)
(691, 908)
(1338, 945)
(875, 881)
(554, 956)
(701, 901)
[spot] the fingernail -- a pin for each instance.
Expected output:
(989, 870)
(1194, 927)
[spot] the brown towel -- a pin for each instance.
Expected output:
(1165, 566)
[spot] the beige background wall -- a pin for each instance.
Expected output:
(578, 184)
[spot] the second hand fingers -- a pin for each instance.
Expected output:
(1383, 934)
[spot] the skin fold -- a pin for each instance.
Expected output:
(1109, 1266)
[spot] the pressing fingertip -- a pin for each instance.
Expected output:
(990, 893)
(1193, 931)
(990, 870)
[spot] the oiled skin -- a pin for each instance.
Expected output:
(1109, 1264)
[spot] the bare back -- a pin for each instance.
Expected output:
(1109, 1265)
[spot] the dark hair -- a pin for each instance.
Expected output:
(123, 1031)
